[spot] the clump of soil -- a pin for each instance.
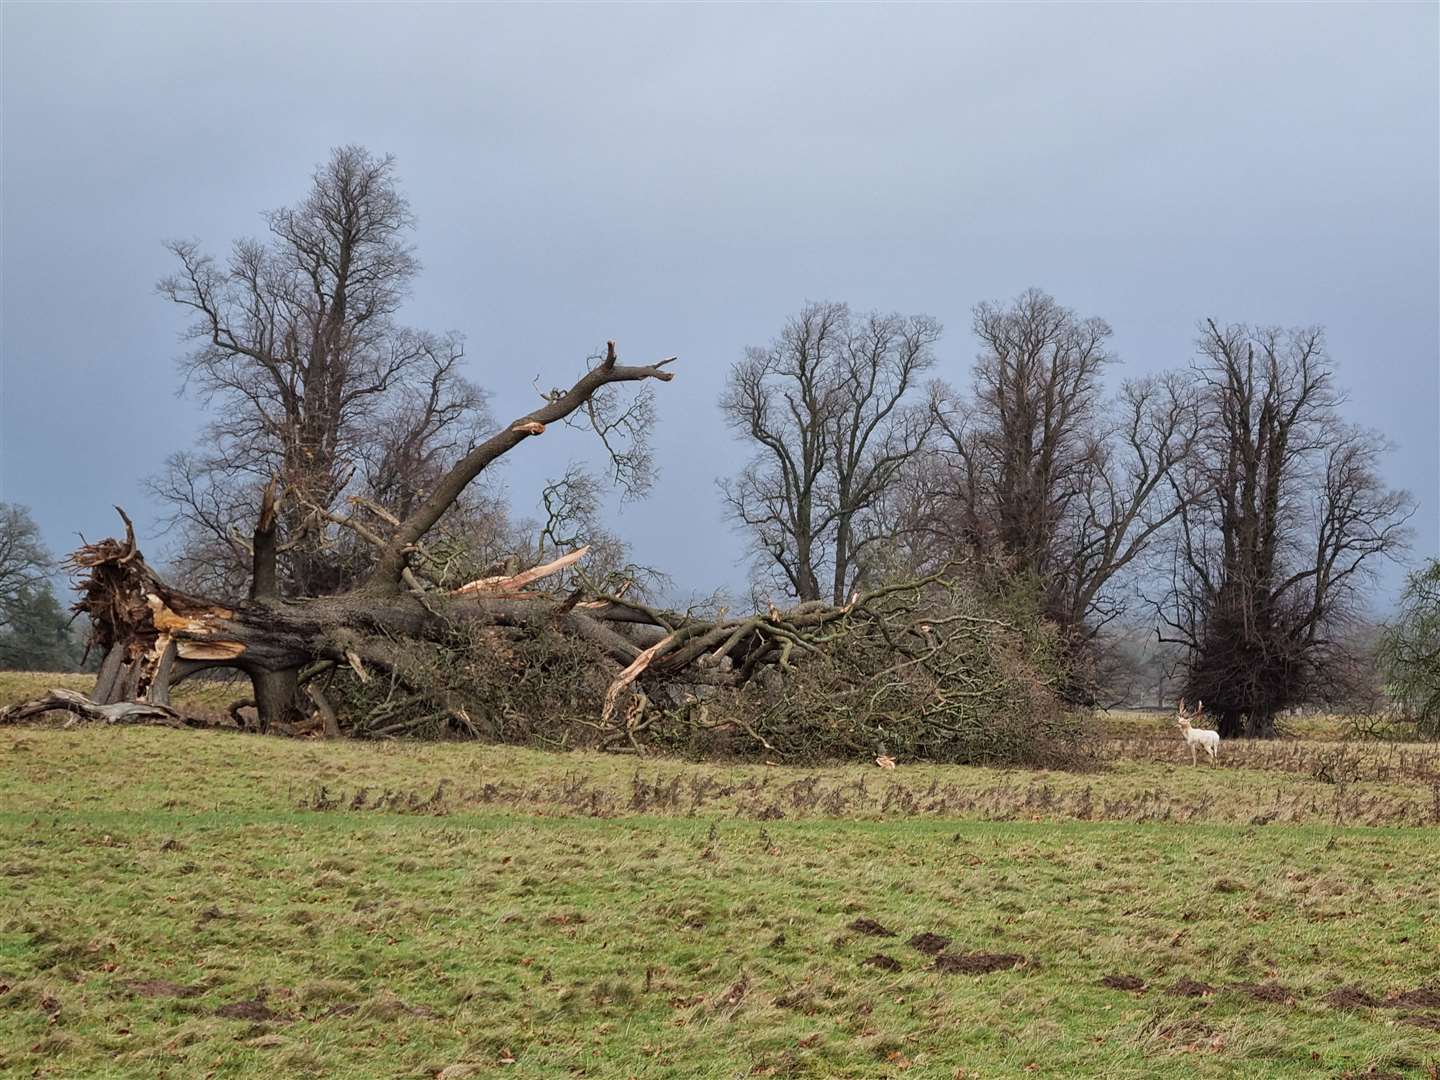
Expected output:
(1352, 997)
(881, 961)
(154, 988)
(1270, 992)
(930, 944)
(255, 1009)
(1424, 997)
(1190, 988)
(871, 927)
(977, 963)
(1424, 1020)
(1123, 982)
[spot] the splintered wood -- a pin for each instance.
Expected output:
(513, 583)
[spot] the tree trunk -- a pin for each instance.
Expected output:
(275, 697)
(1260, 725)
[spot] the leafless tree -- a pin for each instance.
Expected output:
(310, 377)
(24, 562)
(1284, 518)
(831, 408)
(1038, 473)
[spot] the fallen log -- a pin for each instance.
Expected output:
(82, 708)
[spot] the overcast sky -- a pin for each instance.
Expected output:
(681, 178)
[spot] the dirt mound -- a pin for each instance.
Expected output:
(255, 1009)
(881, 961)
(930, 944)
(1351, 997)
(977, 963)
(1424, 1020)
(1423, 997)
(1270, 992)
(1190, 988)
(871, 927)
(1123, 982)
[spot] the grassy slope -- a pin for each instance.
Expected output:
(160, 879)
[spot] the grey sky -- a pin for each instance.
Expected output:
(681, 178)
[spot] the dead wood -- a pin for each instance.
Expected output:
(82, 708)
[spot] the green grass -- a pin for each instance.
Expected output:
(199, 903)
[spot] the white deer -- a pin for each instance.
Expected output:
(1197, 738)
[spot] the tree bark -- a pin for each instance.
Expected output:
(275, 697)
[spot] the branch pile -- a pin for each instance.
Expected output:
(545, 656)
(919, 669)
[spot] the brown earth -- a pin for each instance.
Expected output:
(977, 963)
(1123, 982)
(930, 944)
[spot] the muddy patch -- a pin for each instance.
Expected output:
(254, 1010)
(929, 944)
(871, 927)
(977, 963)
(1429, 1021)
(1424, 997)
(1351, 997)
(1190, 988)
(1132, 983)
(1272, 993)
(881, 961)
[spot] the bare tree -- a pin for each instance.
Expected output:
(24, 562)
(1284, 518)
(831, 408)
(311, 378)
(1037, 473)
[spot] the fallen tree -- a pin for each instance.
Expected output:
(917, 668)
(153, 635)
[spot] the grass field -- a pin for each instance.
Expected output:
(190, 903)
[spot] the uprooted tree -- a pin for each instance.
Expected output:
(153, 634)
(917, 667)
(334, 549)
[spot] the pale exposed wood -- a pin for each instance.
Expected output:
(514, 582)
(629, 675)
(168, 622)
(208, 650)
(354, 660)
(82, 708)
